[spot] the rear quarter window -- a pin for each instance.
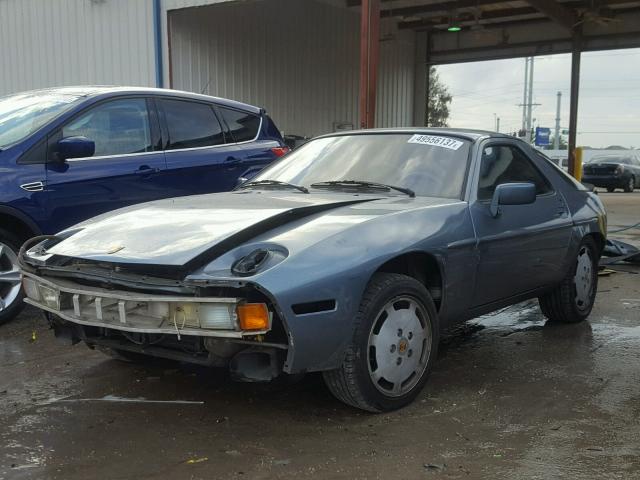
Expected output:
(243, 125)
(564, 176)
(191, 124)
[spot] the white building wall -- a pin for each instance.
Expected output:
(297, 58)
(46, 43)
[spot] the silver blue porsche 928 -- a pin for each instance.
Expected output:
(348, 257)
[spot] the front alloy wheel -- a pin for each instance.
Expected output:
(399, 344)
(394, 345)
(10, 285)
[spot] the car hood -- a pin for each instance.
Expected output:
(190, 231)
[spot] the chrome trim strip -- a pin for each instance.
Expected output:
(124, 155)
(33, 186)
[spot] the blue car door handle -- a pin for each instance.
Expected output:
(230, 161)
(146, 170)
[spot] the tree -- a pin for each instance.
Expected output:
(562, 144)
(438, 101)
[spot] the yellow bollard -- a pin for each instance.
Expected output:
(577, 167)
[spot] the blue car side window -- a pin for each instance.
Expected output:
(117, 127)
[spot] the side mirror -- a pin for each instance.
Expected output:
(512, 194)
(240, 181)
(75, 147)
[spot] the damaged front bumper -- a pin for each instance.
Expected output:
(140, 312)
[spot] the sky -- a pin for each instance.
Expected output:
(609, 99)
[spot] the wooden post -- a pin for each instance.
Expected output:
(573, 101)
(369, 57)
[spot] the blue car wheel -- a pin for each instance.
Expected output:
(10, 284)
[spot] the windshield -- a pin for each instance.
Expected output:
(24, 113)
(430, 165)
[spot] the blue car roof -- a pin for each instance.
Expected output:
(107, 91)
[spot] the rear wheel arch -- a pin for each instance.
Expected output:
(422, 266)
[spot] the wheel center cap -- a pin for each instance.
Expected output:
(403, 345)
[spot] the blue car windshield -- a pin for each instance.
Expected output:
(24, 113)
(430, 165)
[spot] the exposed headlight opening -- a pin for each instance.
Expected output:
(148, 313)
(251, 263)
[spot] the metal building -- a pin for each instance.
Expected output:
(297, 58)
(315, 65)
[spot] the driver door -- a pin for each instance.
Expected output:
(124, 169)
(524, 247)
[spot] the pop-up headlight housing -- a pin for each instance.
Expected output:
(258, 260)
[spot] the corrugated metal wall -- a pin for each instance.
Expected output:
(298, 59)
(70, 42)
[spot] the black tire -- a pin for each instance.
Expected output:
(15, 307)
(564, 303)
(631, 185)
(610, 189)
(352, 383)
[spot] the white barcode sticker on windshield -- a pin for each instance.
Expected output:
(444, 142)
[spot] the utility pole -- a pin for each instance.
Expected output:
(498, 124)
(527, 99)
(524, 95)
(556, 138)
(530, 102)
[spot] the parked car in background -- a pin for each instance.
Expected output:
(613, 171)
(347, 257)
(68, 154)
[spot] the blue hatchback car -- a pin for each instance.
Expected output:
(68, 154)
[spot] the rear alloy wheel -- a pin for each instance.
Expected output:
(10, 284)
(393, 348)
(631, 185)
(573, 299)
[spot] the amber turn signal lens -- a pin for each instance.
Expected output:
(253, 316)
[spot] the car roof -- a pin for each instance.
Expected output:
(107, 91)
(465, 133)
(612, 156)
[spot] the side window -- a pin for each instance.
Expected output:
(506, 164)
(191, 124)
(117, 127)
(244, 126)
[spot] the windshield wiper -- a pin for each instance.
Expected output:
(363, 184)
(273, 183)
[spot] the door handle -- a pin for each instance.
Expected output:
(146, 170)
(230, 161)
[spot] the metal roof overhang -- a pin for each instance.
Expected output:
(500, 29)
(494, 29)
